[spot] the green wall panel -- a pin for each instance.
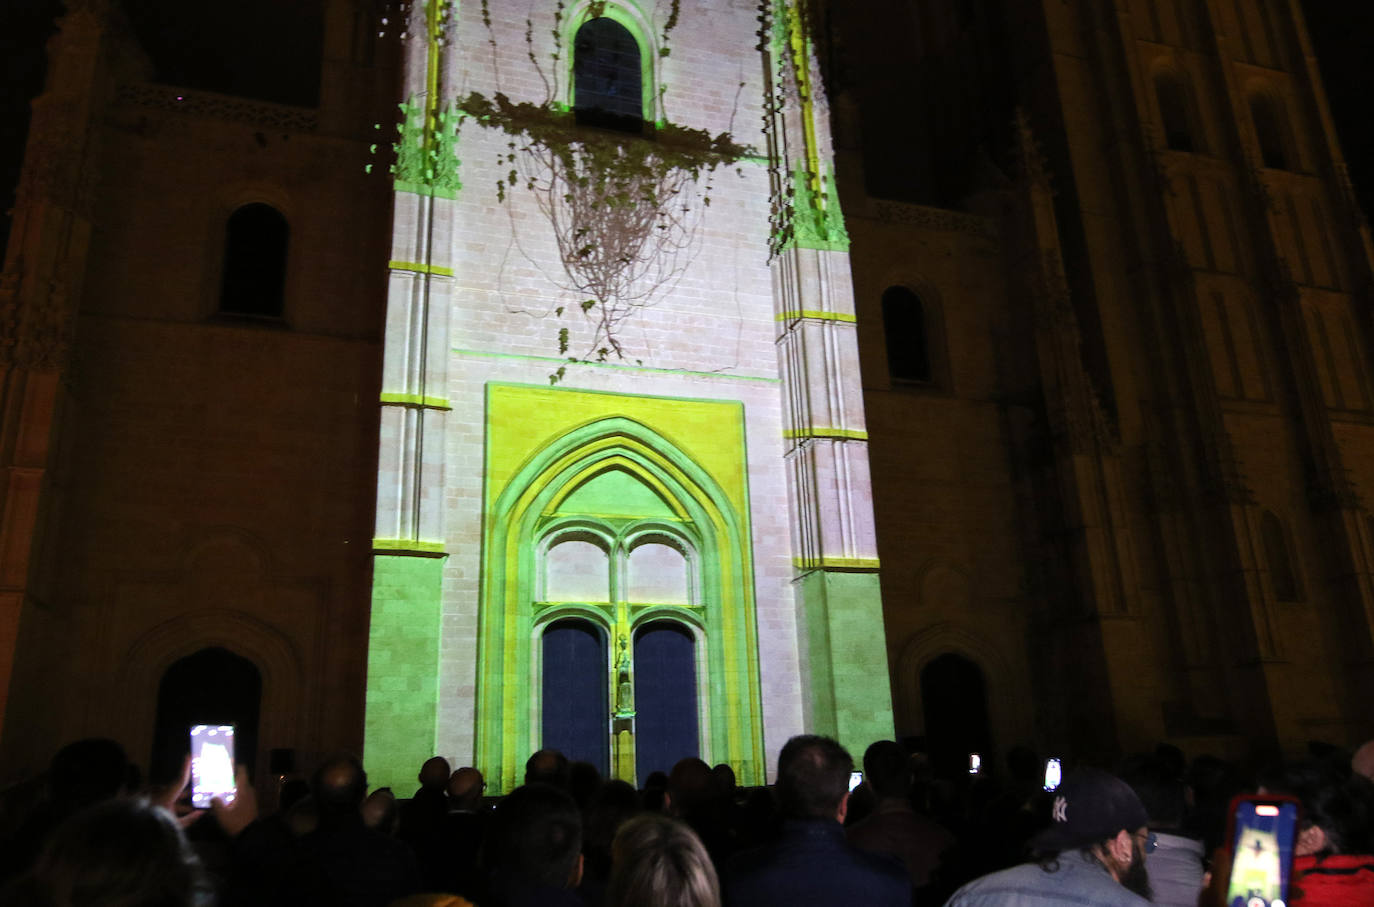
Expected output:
(850, 694)
(402, 668)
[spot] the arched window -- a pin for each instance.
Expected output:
(254, 262)
(1281, 573)
(665, 697)
(575, 677)
(906, 333)
(1269, 130)
(1174, 112)
(607, 81)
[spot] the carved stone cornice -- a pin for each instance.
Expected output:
(890, 212)
(276, 117)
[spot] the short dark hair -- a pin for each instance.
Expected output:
(1339, 802)
(813, 777)
(534, 837)
(1158, 787)
(121, 851)
(547, 767)
(887, 769)
(339, 786)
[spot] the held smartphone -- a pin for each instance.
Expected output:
(1262, 830)
(1054, 773)
(212, 764)
(975, 764)
(855, 779)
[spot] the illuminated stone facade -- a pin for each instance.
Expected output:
(1116, 474)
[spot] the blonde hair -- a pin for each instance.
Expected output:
(659, 862)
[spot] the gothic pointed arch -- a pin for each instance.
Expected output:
(652, 493)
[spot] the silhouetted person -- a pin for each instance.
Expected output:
(894, 828)
(81, 774)
(123, 851)
(812, 863)
(547, 767)
(344, 861)
(452, 864)
(1176, 865)
(532, 853)
(1092, 853)
(693, 796)
(1363, 761)
(422, 813)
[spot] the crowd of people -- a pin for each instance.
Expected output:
(1152, 832)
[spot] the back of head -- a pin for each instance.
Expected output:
(547, 767)
(1340, 804)
(465, 787)
(434, 774)
(656, 860)
(117, 853)
(1159, 787)
(87, 771)
(813, 777)
(691, 787)
(1362, 763)
(887, 769)
(534, 837)
(339, 786)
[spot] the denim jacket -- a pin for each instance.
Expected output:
(1078, 880)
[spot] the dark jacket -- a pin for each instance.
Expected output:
(812, 863)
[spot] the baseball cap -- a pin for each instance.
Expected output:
(1090, 806)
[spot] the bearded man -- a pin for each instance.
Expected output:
(1092, 853)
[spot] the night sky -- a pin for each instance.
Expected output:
(226, 47)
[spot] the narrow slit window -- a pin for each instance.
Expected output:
(1174, 114)
(905, 330)
(1269, 131)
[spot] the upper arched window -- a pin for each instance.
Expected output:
(1276, 552)
(1175, 113)
(608, 85)
(1268, 118)
(255, 262)
(906, 330)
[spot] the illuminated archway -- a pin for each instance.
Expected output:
(647, 492)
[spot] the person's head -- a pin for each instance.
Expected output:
(691, 787)
(547, 767)
(584, 780)
(119, 853)
(1363, 761)
(379, 811)
(88, 771)
(1160, 789)
(339, 786)
(813, 778)
(657, 860)
(465, 788)
(1336, 809)
(534, 837)
(434, 774)
(1098, 814)
(725, 779)
(887, 770)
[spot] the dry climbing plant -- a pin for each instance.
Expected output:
(625, 209)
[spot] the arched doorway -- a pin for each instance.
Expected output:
(575, 699)
(665, 697)
(955, 703)
(211, 686)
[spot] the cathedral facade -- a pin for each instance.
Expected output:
(652, 378)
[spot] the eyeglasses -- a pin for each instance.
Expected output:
(1151, 842)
